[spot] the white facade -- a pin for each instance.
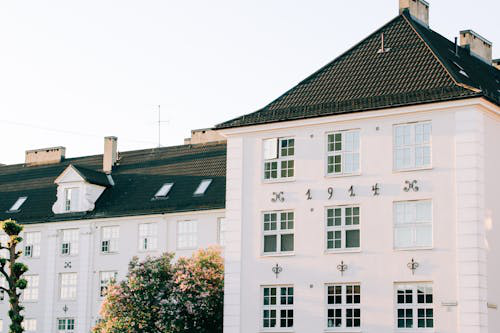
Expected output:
(455, 257)
(69, 277)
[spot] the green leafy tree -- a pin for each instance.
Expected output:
(161, 296)
(13, 271)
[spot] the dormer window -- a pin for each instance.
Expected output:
(164, 190)
(70, 199)
(202, 188)
(17, 205)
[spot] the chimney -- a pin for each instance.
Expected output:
(110, 153)
(45, 156)
(203, 135)
(496, 63)
(419, 10)
(477, 45)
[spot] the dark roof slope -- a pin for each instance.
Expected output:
(92, 176)
(137, 177)
(417, 68)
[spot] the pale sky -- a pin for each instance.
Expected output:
(72, 72)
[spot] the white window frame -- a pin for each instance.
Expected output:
(68, 287)
(71, 197)
(4, 239)
(29, 325)
(164, 190)
(413, 146)
(66, 321)
(32, 242)
(148, 236)
(277, 307)
(278, 158)
(343, 228)
(344, 153)
(16, 207)
(414, 306)
(278, 232)
(413, 226)
(3, 283)
(202, 187)
(70, 241)
(221, 229)
(187, 238)
(31, 292)
(1, 325)
(110, 236)
(105, 278)
(344, 306)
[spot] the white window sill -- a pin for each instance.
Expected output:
(272, 255)
(147, 251)
(276, 330)
(343, 330)
(279, 180)
(342, 175)
(342, 251)
(427, 248)
(412, 170)
(109, 253)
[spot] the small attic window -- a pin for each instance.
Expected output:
(204, 184)
(164, 190)
(17, 205)
(461, 69)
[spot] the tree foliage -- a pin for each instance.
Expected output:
(159, 295)
(13, 272)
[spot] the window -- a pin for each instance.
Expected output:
(65, 324)
(343, 306)
(69, 243)
(31, 291)
(277, 309)
(412, 224)
(32, 244)
(204, 184)
(278, 158)
(278, 232)
(29, 325)
(4, 240)
(70, 199)
(414, 306)
(412, 146)
(342, 228)
(105, 279)
(187, 234)
(68, 286)
(109, 240)
(17, 205)
(343, 153)
(148, 236)
(3, 283)
(164, 190)
(222, 229)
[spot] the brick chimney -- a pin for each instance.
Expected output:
(45, 156)
(478, 45)
(419, 10)
(110, 153)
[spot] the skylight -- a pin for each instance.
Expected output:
(164, 190)
(204, 184)
(17, 205)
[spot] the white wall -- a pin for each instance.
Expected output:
(90, 261)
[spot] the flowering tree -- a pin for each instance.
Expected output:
(13, 271)
(161, 296)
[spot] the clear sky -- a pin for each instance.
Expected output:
(72, 72)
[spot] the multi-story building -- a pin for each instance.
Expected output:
(85, 218)
(365, 199)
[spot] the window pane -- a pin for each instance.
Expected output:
(352, 238)
(270, 243)
(424, 235)
(403, 237)
(287, 243)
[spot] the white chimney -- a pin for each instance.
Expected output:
(45, 156)
(477, 45)
(419, 10)
(110, 153)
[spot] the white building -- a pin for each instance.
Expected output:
(365, 199)
(85, 218)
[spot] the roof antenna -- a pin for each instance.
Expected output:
(382, 44)
(456, 46)
(159, 125)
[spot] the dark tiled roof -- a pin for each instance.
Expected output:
(92, 176)
(419, 67)
(137, 177)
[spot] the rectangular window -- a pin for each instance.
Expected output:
(343, 228)
(4, 240)
(70, 199)
(32, 244)
(164, 190)
(343, 153)
(148, 236)
(31, 291)
(3, 283)
(412, 146)
(105, 279)
(202, 188)
(68, 286)
(278, 158)
(29, 325)
(66, 324)
(69, 242)
(343, 306)
(277, 309)
(278, 232)
(109, 240)
(412, 224)
(414, 306)
(17, 205)
(187, 234)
